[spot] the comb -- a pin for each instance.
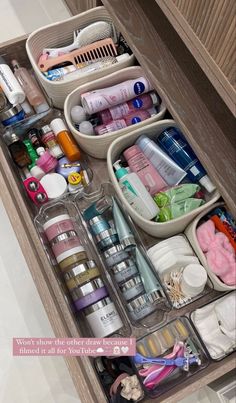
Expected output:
(96, 50)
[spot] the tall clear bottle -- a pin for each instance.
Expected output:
(31, 89)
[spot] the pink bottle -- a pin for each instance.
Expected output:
(139, 164)
(46, 161)
(128, 120)
(143, 102)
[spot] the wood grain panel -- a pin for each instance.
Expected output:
(78, 6)
(208, 28)
(187, 92)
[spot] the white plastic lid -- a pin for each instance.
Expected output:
(155, 98)
(37, 172)
(58, 126)
(54, 184)
(123, 57)
(207, 184)
(40, 151)
(56, 151)
(41, 108)
(27, 107)
(55, 220)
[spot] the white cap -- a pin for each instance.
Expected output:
(155, 98)
(56, 151)
(123, 57)
(37, 172)
(58, 126)
(54, 185)
(27, 107)
(40, 151)
(207, 184)
(41, 108)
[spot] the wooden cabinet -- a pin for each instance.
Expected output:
(208, 124)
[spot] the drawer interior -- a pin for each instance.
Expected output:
(53, 293)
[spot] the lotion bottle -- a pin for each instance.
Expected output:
(10, 85)
(31, 89)
(135, 192)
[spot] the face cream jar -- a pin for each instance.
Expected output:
(140, 307)
(115, 255)
(103, 318)
(80, 275)
(73, 260)
(58, 225)
(124, 270)
(89, 299)
(87, 288)
(98, 224)
(66, 244)
(72, 247)
(132, 288)
(108, 242)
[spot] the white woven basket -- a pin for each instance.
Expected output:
(159, 230)
(190, 232)
(97, 146)
(61, 34)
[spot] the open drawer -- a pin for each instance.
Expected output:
(61, 318)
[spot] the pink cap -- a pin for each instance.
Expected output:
(47, 162)
(131, 151)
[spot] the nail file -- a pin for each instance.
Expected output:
(92, 52)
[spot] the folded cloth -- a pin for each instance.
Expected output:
(219, 252)
(206, 322)
(225, 310)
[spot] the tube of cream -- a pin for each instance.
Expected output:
(150, 282)
(176, 194)
(124, 232)
(178, 209)
(166, 167)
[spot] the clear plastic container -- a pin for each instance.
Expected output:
(57, 222)
(227, 336)
(146, 310)
(161, 342)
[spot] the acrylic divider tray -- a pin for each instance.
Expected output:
(119, 246)
(215, 323)
(180, 270)
(176, 341)
(31, 141)
(79, 270)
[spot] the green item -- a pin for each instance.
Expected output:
(32, 153)
(178, 209)
(176, 194)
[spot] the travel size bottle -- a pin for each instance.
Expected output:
(65, 140)
(18, 152)
(31, 89)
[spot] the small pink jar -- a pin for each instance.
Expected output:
(46, 161)
(57, 226)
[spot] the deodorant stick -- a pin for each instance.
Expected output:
(97, 100)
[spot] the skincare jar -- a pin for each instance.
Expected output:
(11, 115)
(132, 288)
(81, 274)
(87, 288)
(98, 224)
(103, 318)
(115, 255)
(58, 225)
(124, 270)
(73, 260)
(140, 307)
(83, 301)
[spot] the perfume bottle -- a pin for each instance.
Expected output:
(18, 151)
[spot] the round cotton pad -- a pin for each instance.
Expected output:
(54, 184)
(193, 281)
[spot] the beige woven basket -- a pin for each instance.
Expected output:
(156, 229)
(61, 34)
(97, 146)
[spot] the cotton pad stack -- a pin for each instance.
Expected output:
(179, 268)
